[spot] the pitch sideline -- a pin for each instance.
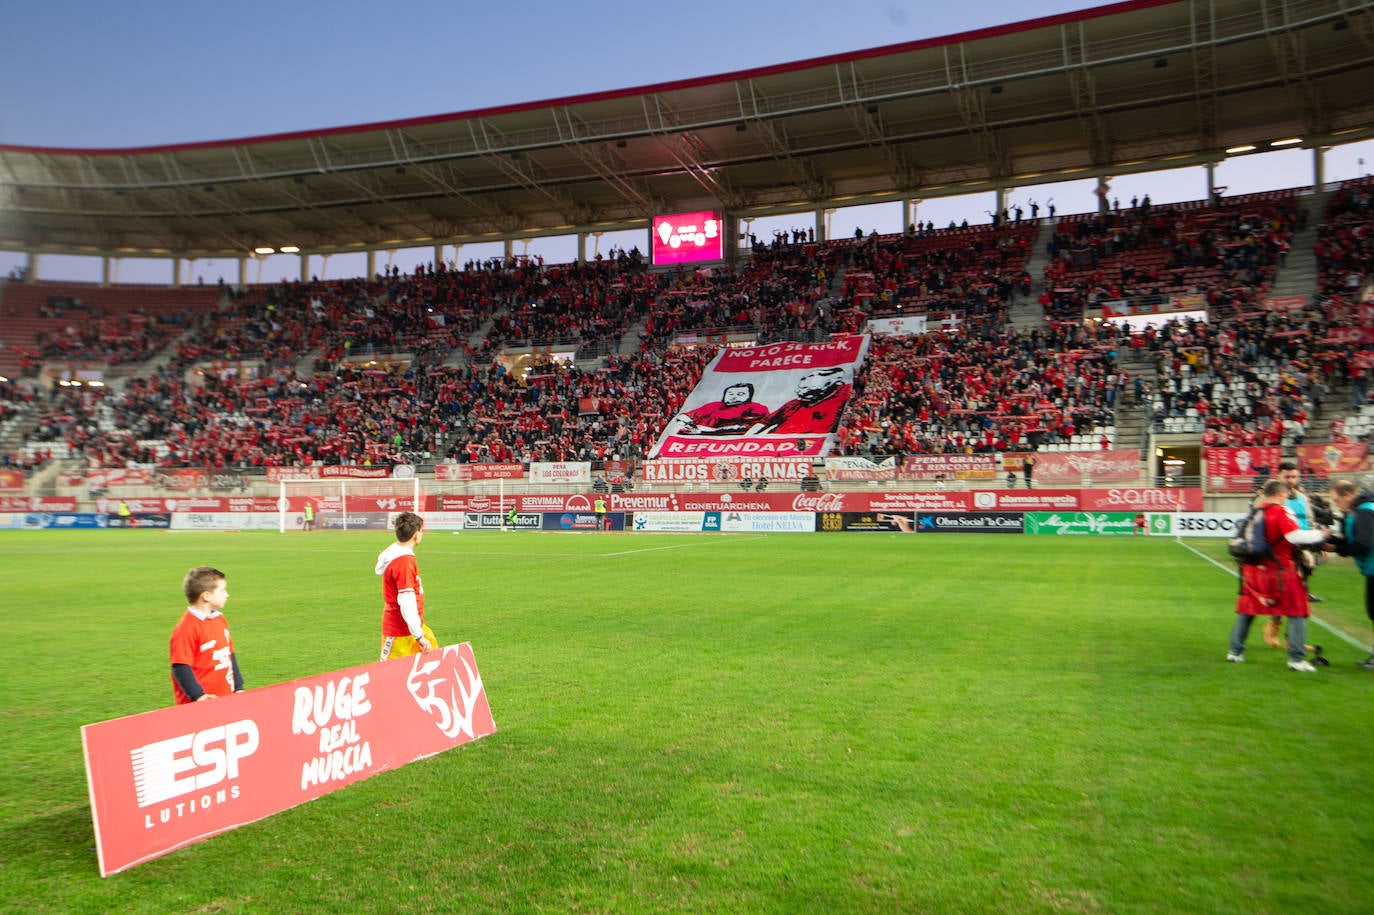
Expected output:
(1349, 640)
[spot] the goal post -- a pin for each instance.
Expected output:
(346, 504)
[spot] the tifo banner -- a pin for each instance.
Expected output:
(780, 400)
(462, 473)
(1077, 466)
(1120, 308)
(327, 472)
(908, 324)
(202, 503)
(859, 468)
(726, 471)
(167, 778)
(1334, 459)
(11, 481)
(181, 479)
(1285, 302)
(1235, 469)
(948, 467)
(37, 504)
(104, 478)
(560, 472)
(1355, 335)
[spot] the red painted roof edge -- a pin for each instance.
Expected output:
(1110, 9)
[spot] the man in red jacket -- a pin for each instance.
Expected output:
(1274, 587)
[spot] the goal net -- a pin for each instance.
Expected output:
(344, 504)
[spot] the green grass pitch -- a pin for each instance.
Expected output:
(786, 723)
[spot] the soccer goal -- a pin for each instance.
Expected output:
(345, 504)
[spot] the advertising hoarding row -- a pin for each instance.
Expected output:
(1108, 512)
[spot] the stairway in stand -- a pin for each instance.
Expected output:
(1132, 416)
(1026, 313)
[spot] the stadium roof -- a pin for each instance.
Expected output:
(1132, 86)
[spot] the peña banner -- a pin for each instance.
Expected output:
(168, 778)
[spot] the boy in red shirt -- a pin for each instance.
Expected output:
(203, 662)
(403, 615)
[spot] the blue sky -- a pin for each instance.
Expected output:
(95, 74)
(100, 75)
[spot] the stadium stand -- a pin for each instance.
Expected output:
(434, 391)
(87, 322)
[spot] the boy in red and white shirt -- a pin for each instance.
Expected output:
(403, 615)
(203, 662)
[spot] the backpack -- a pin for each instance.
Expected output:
(1251, 546)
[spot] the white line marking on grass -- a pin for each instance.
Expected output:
(678, 546)
(1234, 574)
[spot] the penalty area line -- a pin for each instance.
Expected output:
(1349, 640)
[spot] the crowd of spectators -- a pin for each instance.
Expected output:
(237, 392)
(927, 270)
(1224, 254)
(1240, 385)
(1345, 242)
(15, 401)
(988, 391)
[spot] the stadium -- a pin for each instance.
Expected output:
(874, 571)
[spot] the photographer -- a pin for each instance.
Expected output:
(1357, 539)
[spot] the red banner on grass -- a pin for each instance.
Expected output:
(167, 778)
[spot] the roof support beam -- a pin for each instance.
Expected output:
(1290, 58)
(1203, 16)
(973, 110)
(869, 121)
(606, 164)
(774, 137)
(528, 174)
(365, 184)
(1083, 91)
(689, 150)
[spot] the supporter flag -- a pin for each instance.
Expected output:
(780, 400)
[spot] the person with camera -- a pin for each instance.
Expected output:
(1301, 506)
(1356, 540)
(1273, 586)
